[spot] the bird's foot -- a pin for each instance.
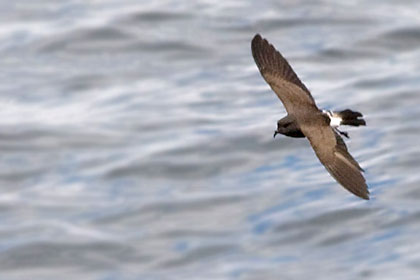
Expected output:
(344, 133)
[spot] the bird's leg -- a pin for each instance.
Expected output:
(344, 133)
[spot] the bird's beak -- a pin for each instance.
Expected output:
(275, 133)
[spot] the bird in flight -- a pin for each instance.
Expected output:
(304, 119)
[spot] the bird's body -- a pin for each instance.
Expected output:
(304, 119)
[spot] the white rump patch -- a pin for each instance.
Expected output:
(335, 119)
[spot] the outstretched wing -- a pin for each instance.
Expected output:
(333, 154)
(280, 76)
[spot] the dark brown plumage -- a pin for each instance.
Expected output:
(304, 117)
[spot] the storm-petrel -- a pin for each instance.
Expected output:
(304, 119)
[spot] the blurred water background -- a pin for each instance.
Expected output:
(136, 141)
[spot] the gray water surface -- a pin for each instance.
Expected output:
(136, 141)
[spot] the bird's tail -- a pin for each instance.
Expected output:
(349, 117)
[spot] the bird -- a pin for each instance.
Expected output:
(305, 119)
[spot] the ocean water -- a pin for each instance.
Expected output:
(136, 141)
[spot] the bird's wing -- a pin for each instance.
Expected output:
(280, 76)
(333, 154)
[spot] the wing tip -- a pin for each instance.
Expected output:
(261, 47)
(350, 178)
(257, 47)
(361, 191)
(365, 195)
(257, 37)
